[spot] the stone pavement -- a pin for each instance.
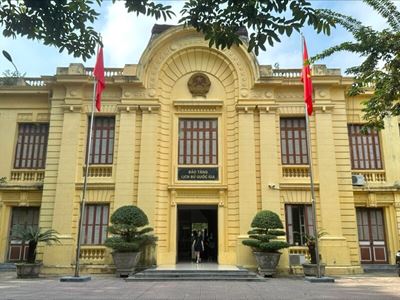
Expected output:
(375, 286)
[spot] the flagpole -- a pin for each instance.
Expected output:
(310, 166)
(82, 204)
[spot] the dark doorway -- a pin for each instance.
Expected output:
(199, 218)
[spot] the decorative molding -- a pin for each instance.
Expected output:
(289, 95)
(291, 110)
(149, 108)
(105, 109)
(199, 84)
(324, 108)
(43, 117)
(268, 108)
(297, 186)
(127, 108)
(72, 108)
(25, 117)
(198, 105)
(96, 186)
(134, 94)
(244, 108)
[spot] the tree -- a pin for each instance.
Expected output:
(67, 24)
(380, 70)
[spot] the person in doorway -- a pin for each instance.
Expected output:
(198, 246)
(193, 238)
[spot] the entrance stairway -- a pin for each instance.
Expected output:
(382, 268)
(7, 267)
(195, 275)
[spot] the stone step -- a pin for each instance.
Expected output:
(252, 279)
(7, 267)
(210, 275)
(379, 268)
(195, 275)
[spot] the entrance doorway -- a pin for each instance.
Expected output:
(22, 217)
(202, 219)
(371, 234)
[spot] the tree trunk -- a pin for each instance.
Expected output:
(313, 254)
(32, 252)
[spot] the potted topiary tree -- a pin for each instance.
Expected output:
(127, 240)
(33, 236)
(263, 239)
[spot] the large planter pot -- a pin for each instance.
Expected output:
(125, 262)
(267, 262)
(26, 270)
(311, 269)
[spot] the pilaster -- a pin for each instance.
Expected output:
(329, 201)
(65, 189)
(247, 169)
(124, 175)
(147, 182)
(269, 160)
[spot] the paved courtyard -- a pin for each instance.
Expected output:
(108, 287)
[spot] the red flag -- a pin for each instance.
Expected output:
(98, 73)
(306, 79)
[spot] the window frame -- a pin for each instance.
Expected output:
(373, 140)
(102, 235)
(25, 150)
(198, 158)
(295, 142)
(308, 223)
(104, 132)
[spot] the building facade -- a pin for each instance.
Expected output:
(198, 138)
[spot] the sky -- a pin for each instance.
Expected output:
(125, 36)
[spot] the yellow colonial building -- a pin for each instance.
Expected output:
(198, 138)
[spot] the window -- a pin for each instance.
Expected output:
(364, 148)
(102, 140)
(294, 141)
(298, 223)
(30, 152)
(198, 142)
(95, 222)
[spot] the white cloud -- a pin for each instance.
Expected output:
(125, 35)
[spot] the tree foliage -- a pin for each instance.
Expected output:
(127, 237)
(67, 24)
(266, 227)
(220, 20)
(33, 236)
(380, 70)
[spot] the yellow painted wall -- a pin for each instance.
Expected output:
(147, 101)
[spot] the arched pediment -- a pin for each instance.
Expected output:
(180, 51)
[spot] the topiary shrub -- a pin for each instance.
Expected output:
(266, 227)
(127, 237)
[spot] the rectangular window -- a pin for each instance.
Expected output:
(198, 142)
(31, 148)
(299, 222)
(365, 148)
(102, 140)
(293, 141)
(95, 223)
